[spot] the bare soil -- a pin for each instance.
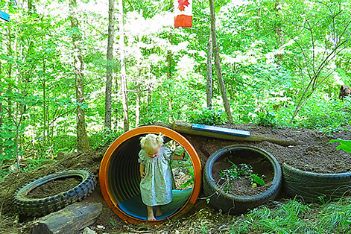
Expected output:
(54, 187)
(312, 153)
(243, 186)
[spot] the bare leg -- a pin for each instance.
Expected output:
(158, 211)
(150, 213)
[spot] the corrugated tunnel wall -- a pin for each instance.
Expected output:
(119, 176)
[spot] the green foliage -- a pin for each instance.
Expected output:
(186, 166)
(344, 145)
(266, 57)
(266, 119)
(328, 116)
(208, 116)
(293, 216)
(335, 217)
(288, 218)
(103, 138)
(234, 172)
(256, 179)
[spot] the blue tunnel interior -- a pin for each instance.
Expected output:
(124, 180)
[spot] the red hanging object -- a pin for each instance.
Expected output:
(183, 14)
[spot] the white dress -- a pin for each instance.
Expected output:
(156, 186)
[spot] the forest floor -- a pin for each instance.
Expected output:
(313, 153)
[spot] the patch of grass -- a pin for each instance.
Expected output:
(287, 218)
(8, 224)
(296, 217)
(336, 217)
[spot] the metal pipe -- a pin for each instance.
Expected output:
(119, 176)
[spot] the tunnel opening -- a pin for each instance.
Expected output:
(120, 178)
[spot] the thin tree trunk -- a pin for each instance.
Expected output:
(31, 6)
(149, 96)
(169, 76)
(82, 136)
(45, 120)
(1, 114)
(218, 64)
(209, 87)
(116, 110)
(137, 106)
(123, 68)
(9, 74)
(170, 84)
(258, 19)
(278, 29)
(109, 66)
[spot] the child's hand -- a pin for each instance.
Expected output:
(172, 145)
(142, 170)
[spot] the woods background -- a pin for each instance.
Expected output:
(93, 69)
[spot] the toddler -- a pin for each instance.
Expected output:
(156, 175)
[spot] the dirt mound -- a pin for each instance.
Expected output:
(14, 181)
(313, 153)
(54, 187)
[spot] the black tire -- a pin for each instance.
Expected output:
(36, 207)
(236, 204)
(315, 187)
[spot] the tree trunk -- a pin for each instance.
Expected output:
(31, 6)
(209, 89)
(9, 74)
(218, 64)
(71, 219)
(116, 110)
(170, 84)
(258, 19)
(123, 68)
(169, 76)
(137, 106)
(1, 114)
(169, 63)
(187, 128)
(82, 137)
(278, 29)
(109, 66)
(45, 115)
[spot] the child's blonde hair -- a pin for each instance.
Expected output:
(151, 141)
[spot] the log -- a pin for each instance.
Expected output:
(186, 128)
(70, 220)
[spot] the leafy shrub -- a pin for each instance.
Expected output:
(325, 115)
(208, 116)
(103, 138)
(266, 119)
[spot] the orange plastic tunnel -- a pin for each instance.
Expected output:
(119, 177)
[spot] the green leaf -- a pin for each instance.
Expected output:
(257, 179)
(344, 145)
